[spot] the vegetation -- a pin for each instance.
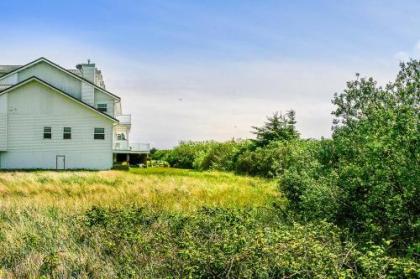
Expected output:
(365, 180)
(278, 128)
(154, 223)
(64, 224)
(345, 207)
(156, 189)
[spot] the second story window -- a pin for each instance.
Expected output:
(99, 134)
(47, 133)
(67, 133)
(103, 107)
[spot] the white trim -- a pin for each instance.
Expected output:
(42, 59)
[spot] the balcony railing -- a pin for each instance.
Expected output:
(144, 147)
(124, 145)
(125, 119)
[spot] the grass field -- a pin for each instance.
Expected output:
(42, 213)
(167, 223)
(154, 188)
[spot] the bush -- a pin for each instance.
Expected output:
(309, 183)
(277, 157)
(220, 243)
(160, 155)
(185, 154)
(366, 179)
(242, 156)
(220, 156)
(157, 164)
(206, 155)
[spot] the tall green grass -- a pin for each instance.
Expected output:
(41, 212)
(157, 189)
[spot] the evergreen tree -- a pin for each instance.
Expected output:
(277, 127)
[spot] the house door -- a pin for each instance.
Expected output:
(60, 162)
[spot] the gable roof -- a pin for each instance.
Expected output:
(57, 90)
(43, 59)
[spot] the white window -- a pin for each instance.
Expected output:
(103, 107)
(99, 134)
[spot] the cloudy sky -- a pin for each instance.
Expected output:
(211, 69)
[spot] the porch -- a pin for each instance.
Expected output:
(123, 146)
(132, 153)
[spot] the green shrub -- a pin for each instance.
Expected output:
(220, 243)
(206, 155)
(160, 155)
(157, 163)
(277, 157)
(184, 155)
(366, 179)
(221, 156)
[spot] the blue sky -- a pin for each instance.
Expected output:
(211, 69)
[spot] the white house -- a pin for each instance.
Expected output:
(57, 118)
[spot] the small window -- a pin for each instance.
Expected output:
(47, 133)
(99, 133)
(103, 107)
(67, 133)
(120, 137)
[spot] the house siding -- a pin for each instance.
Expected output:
(10, 80)
(3, 122)
(102, 98)
(88, 94)
(35, 106)
(53, 76)
(3, 131)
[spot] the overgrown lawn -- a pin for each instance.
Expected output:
(168, 223)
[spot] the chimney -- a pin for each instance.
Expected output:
(87, 70)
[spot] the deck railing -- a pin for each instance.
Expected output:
(145, 147)
(124, 145)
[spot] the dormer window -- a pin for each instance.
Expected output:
(103, 107)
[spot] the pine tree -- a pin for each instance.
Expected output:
(277, 127)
